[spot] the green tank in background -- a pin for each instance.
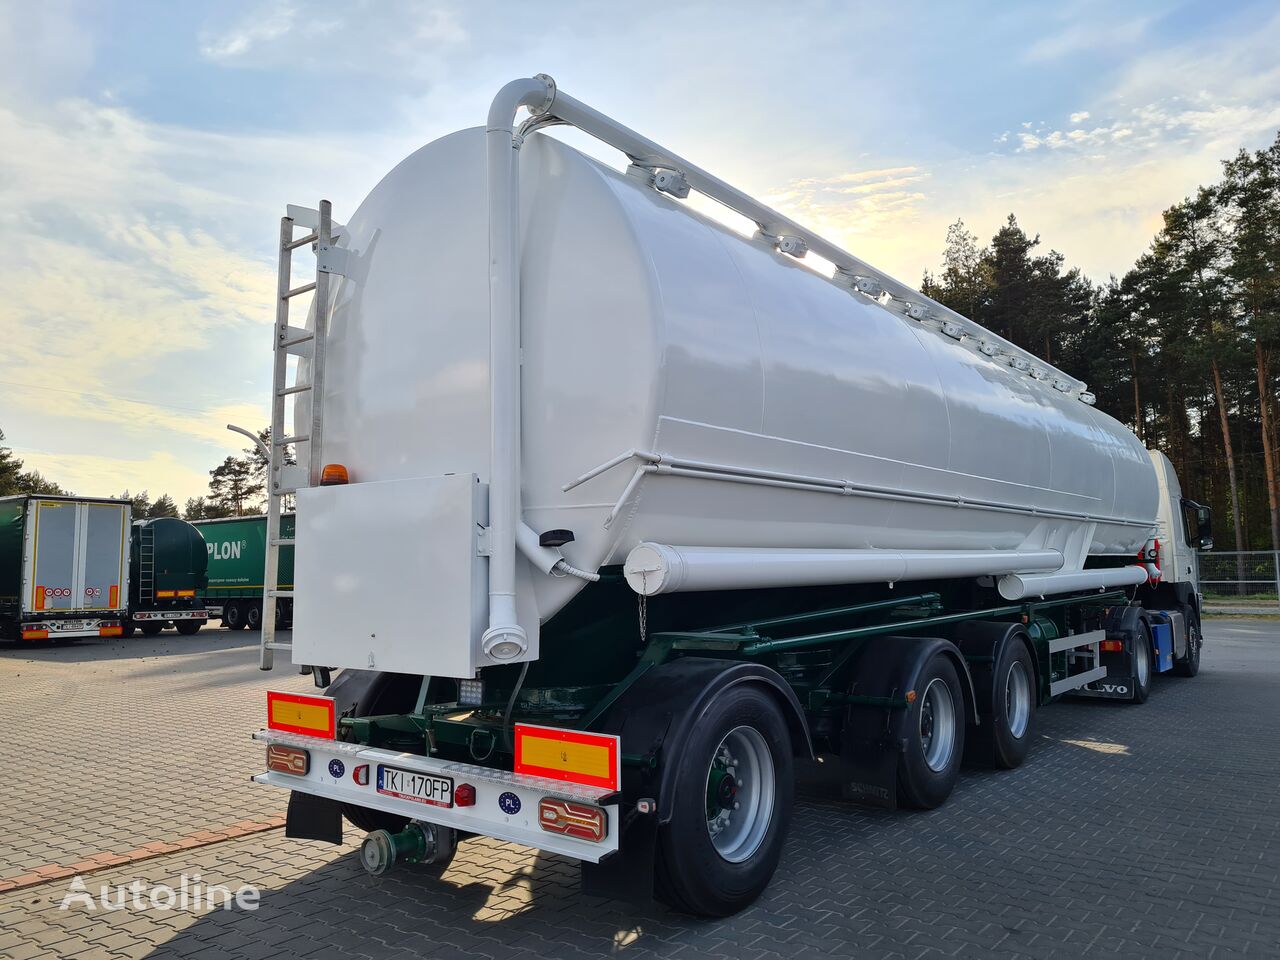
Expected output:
(237, 557)
(168, 563)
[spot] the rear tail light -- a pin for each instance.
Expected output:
(35, 634)
(464, 795)
(573, 819)
(291, 760)
(361, 774)
(1112, 646)
(110, 631)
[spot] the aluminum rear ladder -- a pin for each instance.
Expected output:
(288, 341)
(146, 564)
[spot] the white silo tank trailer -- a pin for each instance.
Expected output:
(609, 514)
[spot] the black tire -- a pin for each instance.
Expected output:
(151, 628)
(1189, 665)
(929, 766)
(692, 875)
(188, 627)
(233, 615)
(253, 616)
(127, 630)
(1142, 650)
(1011, 725)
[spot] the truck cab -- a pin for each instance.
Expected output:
(1184, 527)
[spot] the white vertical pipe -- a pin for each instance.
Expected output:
(505, 639)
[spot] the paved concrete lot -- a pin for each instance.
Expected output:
(1130, 832)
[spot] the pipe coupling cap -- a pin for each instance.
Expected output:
(653, 568)
(505, 642)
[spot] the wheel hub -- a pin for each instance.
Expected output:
(740, 794)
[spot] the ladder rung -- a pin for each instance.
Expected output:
(293, 341)
(282, 542)
(299, 388)
(277, 645)
(298, 291)
(280, 593)
(309, 238)
(301, 438)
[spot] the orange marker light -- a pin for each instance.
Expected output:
(333, 474)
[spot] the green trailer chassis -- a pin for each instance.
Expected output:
(481, 733)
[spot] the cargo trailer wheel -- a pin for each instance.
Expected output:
(150, 628)
(187, 627)
(253, 616)
(1141, 657)
(233, 615)
(731, 806)
(1189, 665)
(126, 630)
(934, 731)
(1015, 705)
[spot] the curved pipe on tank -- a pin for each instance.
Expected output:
(505, 639)
(1016, 586)
(657, 568)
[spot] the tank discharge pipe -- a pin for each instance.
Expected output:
(505, 639)
(656, 568)
(1016, 586)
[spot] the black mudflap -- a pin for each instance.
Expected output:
(869, 769)
(313, 818)
(628, 873)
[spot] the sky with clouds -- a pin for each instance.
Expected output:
(150, 148)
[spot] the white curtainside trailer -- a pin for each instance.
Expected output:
(64, 567)
(612, 515)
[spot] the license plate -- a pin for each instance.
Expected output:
(420, 787)
(61, 625)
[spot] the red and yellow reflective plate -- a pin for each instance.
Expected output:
(591, 759)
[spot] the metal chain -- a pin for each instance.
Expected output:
(642, 604)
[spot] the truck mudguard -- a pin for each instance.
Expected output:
(1121, 623)
(872, 739)
(981, 641)
(654, 717)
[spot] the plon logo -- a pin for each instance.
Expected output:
(226, 550)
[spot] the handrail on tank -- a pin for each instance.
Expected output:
(643, 152)
(505, 639)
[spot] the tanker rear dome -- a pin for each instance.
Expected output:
(649, 327)
(178, 547)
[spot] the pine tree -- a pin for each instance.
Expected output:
(232, 486)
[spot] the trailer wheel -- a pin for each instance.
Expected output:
(1189, 665)
(126, 630)
(934, 730)
(1142, 658)
(187, 627)
(1015, 705)
(151, 628)
(253, 616)
(731, 806)
(233, 615)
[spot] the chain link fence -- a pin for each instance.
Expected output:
(1250, 579)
